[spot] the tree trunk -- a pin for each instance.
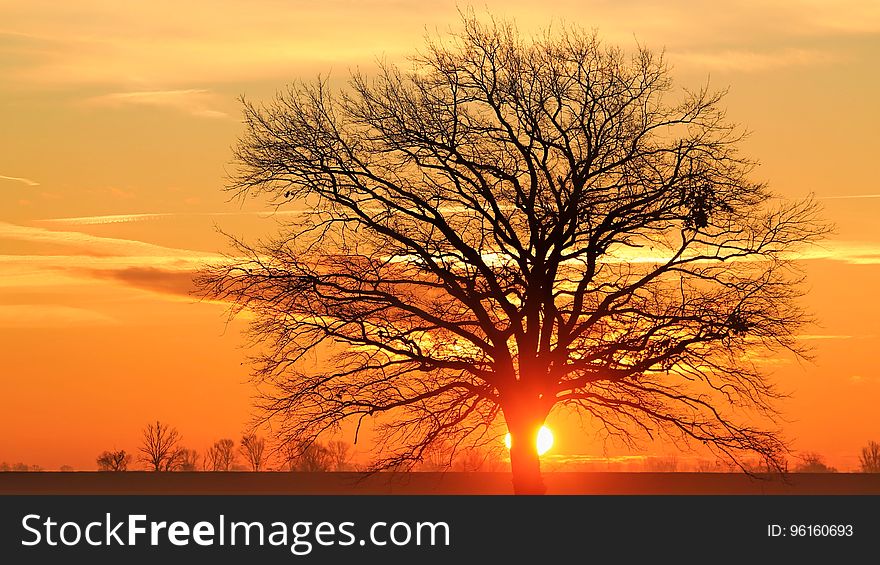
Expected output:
(524, 461)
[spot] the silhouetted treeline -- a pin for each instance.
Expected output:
(161, 451)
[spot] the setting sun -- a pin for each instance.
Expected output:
(545, 440)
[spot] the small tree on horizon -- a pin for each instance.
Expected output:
(221, 455)
(115, 460)
(869, 458)
(310, 458)
(340, 455)
(186, 460)
(159, 449)
(812, 462)
(253, 450)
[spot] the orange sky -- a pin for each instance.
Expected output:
(116, 121)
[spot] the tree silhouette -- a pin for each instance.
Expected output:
(186, 460)
(510, 227)
(340, 455)
(116, 460)
(309, 457)
(813, 463)
(253, 449)
(160, 450)
(869, 458)
(221, 455)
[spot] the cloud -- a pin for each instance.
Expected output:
(97, 42)
(753, 61)
(22, 180)
(841, 16)
(860, 380)
(74, 262)
(811, 337)
(848, 197)
(105, 219)
(85, 245)
(165, 281)
(131, 218)
(196, 102)
(49, 315)
(852, 252)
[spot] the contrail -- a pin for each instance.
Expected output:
(128, 218)
(23, 180)
(849, 197)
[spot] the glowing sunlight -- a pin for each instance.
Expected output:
(545, 440)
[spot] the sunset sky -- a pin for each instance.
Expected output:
(116, 123)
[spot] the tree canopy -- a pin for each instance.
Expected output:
(510, 226)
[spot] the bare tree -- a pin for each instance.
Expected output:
(869, 458)
(312, 457)
(253, 449)
(186, 460)
(436, 457)
(19, 467)
(661, 464)
(220, 456)
(159, 450)
(812, 462)
(340, 455)
(510, 227)
(116, 460)
(475, 459)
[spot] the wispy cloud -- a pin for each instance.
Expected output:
(861, 380)
(96, 42)
(812, 337)
(752, 61)
(852, 252)
(94, 246)
(105, 219)
(165, 281)
(820, 337)
(131, 218)
(49, 315)
(76, 260)
(848, 197)
(22, 180)
(196, 102)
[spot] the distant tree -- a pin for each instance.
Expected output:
(509, 227)
(436, 457)
(661, 464)
(116, 460)
(813, 463)
(253, 449)
(66, 468)
(186, 460)
(311, 457)
(159, 450)
(221, 455)
(19, 467)
(476, 459)
(869, 458)
(708, 466)
(340, 455)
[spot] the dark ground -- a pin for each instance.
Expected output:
(139, 482)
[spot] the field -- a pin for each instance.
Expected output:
(561, 483)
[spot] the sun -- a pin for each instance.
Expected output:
(545, 440)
